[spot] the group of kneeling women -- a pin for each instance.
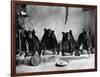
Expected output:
(30, 43)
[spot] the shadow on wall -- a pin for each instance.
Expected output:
(54, 18)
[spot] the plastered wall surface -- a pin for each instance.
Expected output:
(53, 17)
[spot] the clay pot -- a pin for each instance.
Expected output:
(35, 60)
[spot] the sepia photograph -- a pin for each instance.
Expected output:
(54, 38)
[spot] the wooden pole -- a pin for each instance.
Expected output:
(66, 14)
(19, 40)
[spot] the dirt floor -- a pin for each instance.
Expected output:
(48, 64)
